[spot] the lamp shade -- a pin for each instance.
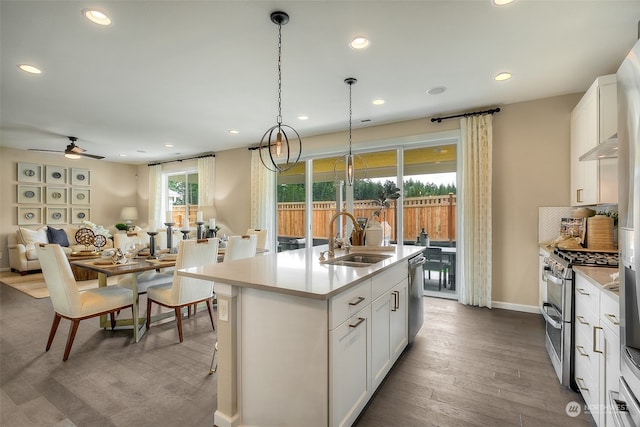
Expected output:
(129, 213)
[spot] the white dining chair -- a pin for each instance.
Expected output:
(184, 291)
(262, 237)
(68, 302)
(239, 247)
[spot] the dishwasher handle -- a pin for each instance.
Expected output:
(417, 261)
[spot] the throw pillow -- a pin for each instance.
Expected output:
(58, 237)
(30, 238)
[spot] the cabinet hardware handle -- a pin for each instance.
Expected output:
(581, 320)
(581, 386)
(581, 351)
(398, 295)
(579, 195)
(613, 319)
(582, 291)
(356, 302)
(396, 300)
(355, 325)
(595, 340)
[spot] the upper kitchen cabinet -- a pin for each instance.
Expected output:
(593, 121)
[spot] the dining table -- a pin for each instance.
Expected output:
(134, 266)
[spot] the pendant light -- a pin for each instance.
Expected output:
(348, 160)
(280, 149)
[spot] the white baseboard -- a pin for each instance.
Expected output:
(516, 307)
(2, 269)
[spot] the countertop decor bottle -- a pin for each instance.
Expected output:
(424, 238)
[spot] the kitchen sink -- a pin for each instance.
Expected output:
(357, 260)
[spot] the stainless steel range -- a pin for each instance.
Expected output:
(558, 309)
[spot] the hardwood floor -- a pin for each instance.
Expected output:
(468, 366)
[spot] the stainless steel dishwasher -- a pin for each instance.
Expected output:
(416, 284)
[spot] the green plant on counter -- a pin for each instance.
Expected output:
(121, 226)
(611, 214)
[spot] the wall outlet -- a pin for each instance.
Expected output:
(223, 310)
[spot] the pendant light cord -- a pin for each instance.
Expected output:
(350, 111)
(279, 119)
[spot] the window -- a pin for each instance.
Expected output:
(181, 196)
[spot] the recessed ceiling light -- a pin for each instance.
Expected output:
(502, 77)
(96, 17)
(233, 131)
(303, 117)
(168, 145)
(436, 90)
(502, 2)
(29, 69)
(359, 42)
(378, 101)
(122, 155)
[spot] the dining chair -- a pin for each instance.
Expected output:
(184, 291)
(68, 302)
(239, 247)
(262, 237)
(434, 261)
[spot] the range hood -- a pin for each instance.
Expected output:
(607, 150)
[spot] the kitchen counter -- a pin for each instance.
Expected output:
(305, 343)
(599, 276)
(299, 272)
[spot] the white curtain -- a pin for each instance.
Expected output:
(474, 246)
(206, 181)
(263, 199)
(155, 196)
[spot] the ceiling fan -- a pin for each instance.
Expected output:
(72, 151)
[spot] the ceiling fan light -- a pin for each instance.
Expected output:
(72, 156)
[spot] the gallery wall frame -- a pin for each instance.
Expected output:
(80, 196)
(31, 194)
(29, 215)
(55, 174)
(80, 214)
(80, 177)
(29, 172)
(56, 195)
(57, 215)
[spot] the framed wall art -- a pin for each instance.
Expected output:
(57, 215)
(80, 176)
(29, 215)
(55, 174)
(30, 194)
(29, 172)
(80, 214)
(80, 196)
(56, 196)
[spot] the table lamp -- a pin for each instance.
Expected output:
(129, 214)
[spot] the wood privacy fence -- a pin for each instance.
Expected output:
(436, 214)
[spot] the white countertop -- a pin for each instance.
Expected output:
(298, 272)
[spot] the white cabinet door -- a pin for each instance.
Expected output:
(399, 316)
(350, 383)
(381, 337)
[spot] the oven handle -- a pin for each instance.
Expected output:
(550, 320)
(553, 279)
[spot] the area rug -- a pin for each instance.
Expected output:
(34, 286)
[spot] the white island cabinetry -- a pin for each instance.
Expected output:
(302, 343)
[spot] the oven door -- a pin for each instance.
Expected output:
(554, 338)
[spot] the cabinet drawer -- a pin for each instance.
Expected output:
(386, 280)
(610, 311)
(349, 303)
(587, 295)
(585, 381)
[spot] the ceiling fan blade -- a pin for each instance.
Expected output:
(93, 156)
(41, 149)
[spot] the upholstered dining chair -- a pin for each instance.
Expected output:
(184, 291)
(68, 302)
(239, 247)
(262, 237)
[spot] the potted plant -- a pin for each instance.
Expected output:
(121, 226)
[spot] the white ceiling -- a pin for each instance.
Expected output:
(186, 72)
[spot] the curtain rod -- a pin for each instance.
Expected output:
(475, 113)
(202, 156)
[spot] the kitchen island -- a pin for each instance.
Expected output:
(302, 342)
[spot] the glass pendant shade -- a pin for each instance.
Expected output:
(350, 169)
